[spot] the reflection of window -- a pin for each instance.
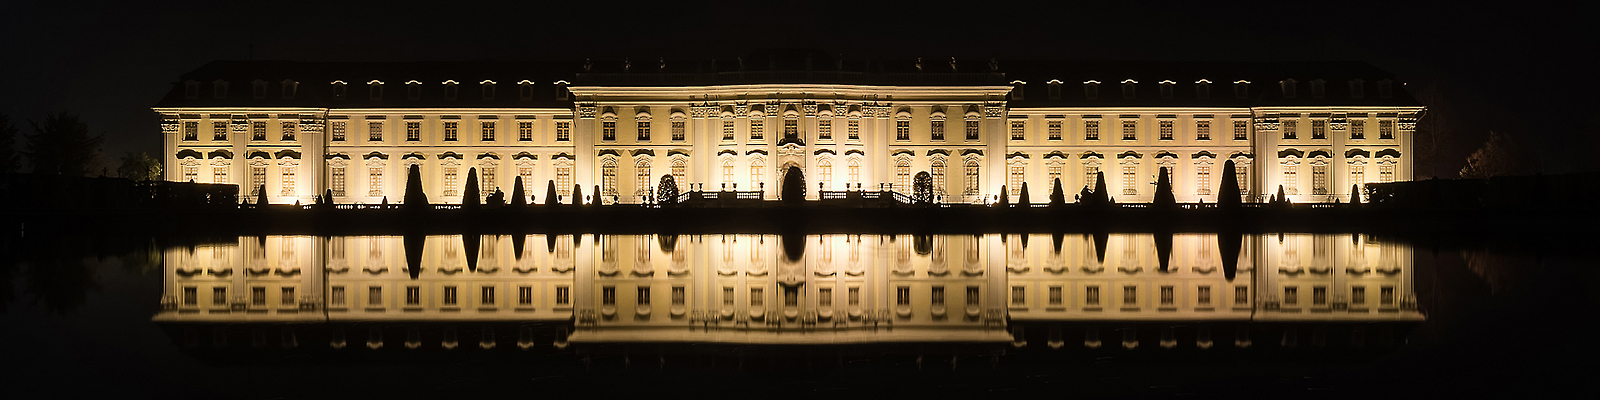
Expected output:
(258, 296)
(413, 295)
(524, 295)
(1091, 295)
(727, 296)
(825, 297)
(375, 295)
(678, 295)
(1055, 295)
(1204, 295)
(1358, 295)
(1166, 295)
(1019, 295)
(219, 296)
(644, 296)
(608, 295)
(937, 295)
(1386, 295)
(1130, 294)
(854, 296)
(902, 296)
(972, 296)
(563, 295)
(1319, 295)
(1291, 295)
(336, 295)
(757, 297)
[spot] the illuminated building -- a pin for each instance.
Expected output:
(354, 128)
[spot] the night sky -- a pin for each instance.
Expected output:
(1520, 69)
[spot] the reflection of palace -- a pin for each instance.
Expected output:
(763, 289)
(354, 128)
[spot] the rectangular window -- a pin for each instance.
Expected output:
(258, 178)
(486, 296)
(1091, 130)
(1055, 295)
(825, 129)
(608, 296)
(608, 130)
(1319, 129)
(1319, 296)
(757, 130)
(1129, 180)
(258, 131)
(524, 295)
(1019, 130)
(374, 131)
(1166, 130)
(1386, 295)
(1091, 296)
(936, 296)
(1386, 129)
(825, 297)
(488, 183)
(413, 131)
(1055, 130)
(1241, 177)
(219, 296)
(1319, 179)
(338, 131)
(563, 131)
(336, 295)
(219, 175)
(1241, 295)
(853, 129)
(1290, 129)
(678, 295)
(854, 295)
(375, 181)
(902, 130)
(1358, 129)
(727, 297)
(1358, 174)
(190, 296)
(973, 297)
(563, 295)
(1091, 173)
(972, 129)
(936, 130)
(450, 181)
(525, 131)
(486, 128)
(791, 128)
(1019, 295)
(258, 296)
(375, 295)
(287, 188)
(678, 130)
(413, 295)
(191, 130)
(219, 131)
(643, 296)
(1358, 295)
(1241, 131)
(1130, 130)
(1130, 295)
(288, 130)
(1291, 181)
(449, 295)
(1203, 179)
(190, 173)
(902, 295)
(758, 297)
(1202, 130)
(338, 181)
(643, 128)
(1167, 294)
(1385, 173)
(1204, 295)
(1291, 295)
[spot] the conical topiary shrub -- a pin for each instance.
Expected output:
(577, 195)
(1022, 197)
(261, 197)
(470, 197)
(550, 197)
(1101, 195)
(1355, 195)
(518, 199)
(1005, 197)
(1228, 194)
(1058, 197)
(1164, 196)
(415, 197)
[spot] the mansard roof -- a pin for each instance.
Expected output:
(1148, 76)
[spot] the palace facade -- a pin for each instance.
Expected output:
(298, 129)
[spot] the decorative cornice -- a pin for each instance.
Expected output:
(190, 153)
(677, 152)
(1352, 153)
(637, 152)
(1387, 153)
(824, 151)
(1017, 155)
(1319, 153)
(1291, 152)
(287, 153)
(1203, 153)
(258, 154)
(941, 152)
(1130, 153)
(976, 152)
(727, 152)
(1090, 154)
(449, 154)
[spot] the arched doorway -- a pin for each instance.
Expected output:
(793, 188)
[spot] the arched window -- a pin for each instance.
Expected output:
(727, 171)
(854, 165)
(902, 173)
(564, 177)
(641, 171)
(937, 169)
(971, 180)
(680, 168)
(608, 176)
(1091, 171)
(1017, 176)
(758, 167)
(825, 172)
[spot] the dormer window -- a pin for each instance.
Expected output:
(561, 90)
(1055, 89)
(1128, 87)
(258, 89)
(1091, 90)
(525, 90)
(191, 89)
(1017, 90)
(488, 89)
(413, 90)
(219, 89)
(1384, 89)
(375, 90)
(1288, 86)
(1358, 88)
(289, 88)
(1317, 90)
(450, 89)
(1241, 89)
(1166, 90)
(1202, 89)
(338, 89)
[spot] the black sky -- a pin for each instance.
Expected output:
(1519, 68)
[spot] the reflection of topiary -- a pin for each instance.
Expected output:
(667, 191)
(794, 186)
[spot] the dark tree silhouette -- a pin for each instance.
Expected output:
(1228, 194)
(61, 146)
(139, 167)
(1281, 199)
(1102, 197)
(596, 202)
(667, 190)
(261, 197)
(1022, 197)
(415, 197)
(1058, 196)
(518, 197)
(1355, 195)
(470, 198)
(1164, 197)
(922, 188)
(794, 187)
(1005, 197)
(577, 195)
(550, 197)
(9, 160)
(327, 197)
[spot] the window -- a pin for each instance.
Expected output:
(608, 296)
(450, 179)
(1202, 130)
(1288, 87)
(449, 295)
(1055, 90)
(375, 90)
(902, 173)
(525, 174)
(1242, 176)
(486, 130)
(1129, 180)
(679, 171)
(1358, 129)
(488, 183)
(853, 129)
(1055, 295)
(413, 90)
(1319, 129)
(1290, 129)
(338, 181)
(488, 89)
(524, 131)
(825, 129)
(1319, 294)
(563, 131)
(190, 296)
(258, 131)
(1241, 90)
(1130, 130)
(190, 173)
(1203, 295)
(758, 297)
(338, 89)
(936, 129)
(219, 174)
(1358, 295)
(1091, 173)
(1319, 179)
(825, 297)
(902, 130)
(336, 295)
(524, 293)
(374, 295)
(1019, 295)
(1019, 130)
(1358, 174)
(1202, 89)
(1130, 295)
(1091, 296)
(825, 171)
(219, 89)
(338, 131)
(1166, 90)
(258, 296)
(1128, 87)
(288, 128)
(678, 130)
(1386, 295)
(936, 296)
(972, 296)
(902, 296)
(854, 167)
(1091, 90)
(413, 295)
(608, 177)
(1240, 130)
(1291, 181)
(971, 181)
(644, 296)
(1166, 130)
(1386, 129)
(191, 90)
(854, 296)
(937, 167)
(1167, 295)
(972, 129)
(563, 295)
(727, 130)
(258, 178)
(727, 172)
(791, 128)
(288, 181)
(641, 173)
(191, 130)
(1054, 129)
(413, 131)
(1091, 130)
(1016, 90)
(1017, 175)
(219, 296)
(727, 297)
(1317, 88)
(450, 90)
(1241, 295)
(1385, 88)
(608, 130)
(1203, 179)
(1291, 295)
(678, 295)
(643, 128)
(757, 169)
(374, 131)
(756, 130)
